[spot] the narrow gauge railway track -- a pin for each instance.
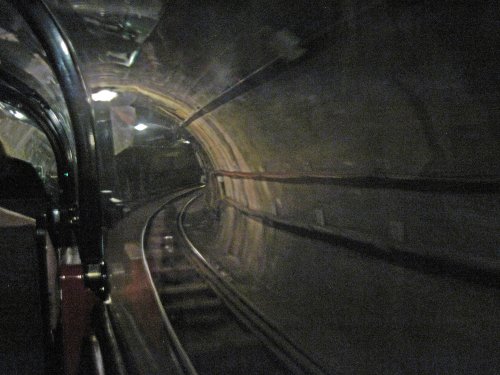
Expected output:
(214, 328)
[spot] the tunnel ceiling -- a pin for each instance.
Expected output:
(350, 118)
(346, 88)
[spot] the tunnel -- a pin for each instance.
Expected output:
(332, 166)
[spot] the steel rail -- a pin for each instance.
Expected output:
(177, 351)
(272, 337)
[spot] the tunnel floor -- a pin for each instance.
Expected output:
(355, 314)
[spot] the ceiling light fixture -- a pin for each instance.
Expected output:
(19, 115)
(104, 96)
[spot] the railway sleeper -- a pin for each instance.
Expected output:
(204, 304)
(228, 349)
(185, 290)
(176, 274)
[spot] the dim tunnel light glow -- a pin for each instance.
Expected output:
(104, 96)
(140, 127)
(18, 115)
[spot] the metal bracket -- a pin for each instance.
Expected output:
(64, 216)
(96, 278)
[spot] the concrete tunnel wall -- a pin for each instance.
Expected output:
(387, 90)
(390, 90)
(396, 90)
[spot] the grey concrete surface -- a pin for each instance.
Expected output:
(352, 313)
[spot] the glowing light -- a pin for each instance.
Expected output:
(140, 127)
(104, 96)
(64, 48)
(18, 115)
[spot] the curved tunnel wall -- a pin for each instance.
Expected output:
(309, 106)
(359, 127)
(371, 121)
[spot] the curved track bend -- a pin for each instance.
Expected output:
(215, 329)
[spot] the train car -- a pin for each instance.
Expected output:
(249, 187)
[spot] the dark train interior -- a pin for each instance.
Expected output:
(249, 187)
